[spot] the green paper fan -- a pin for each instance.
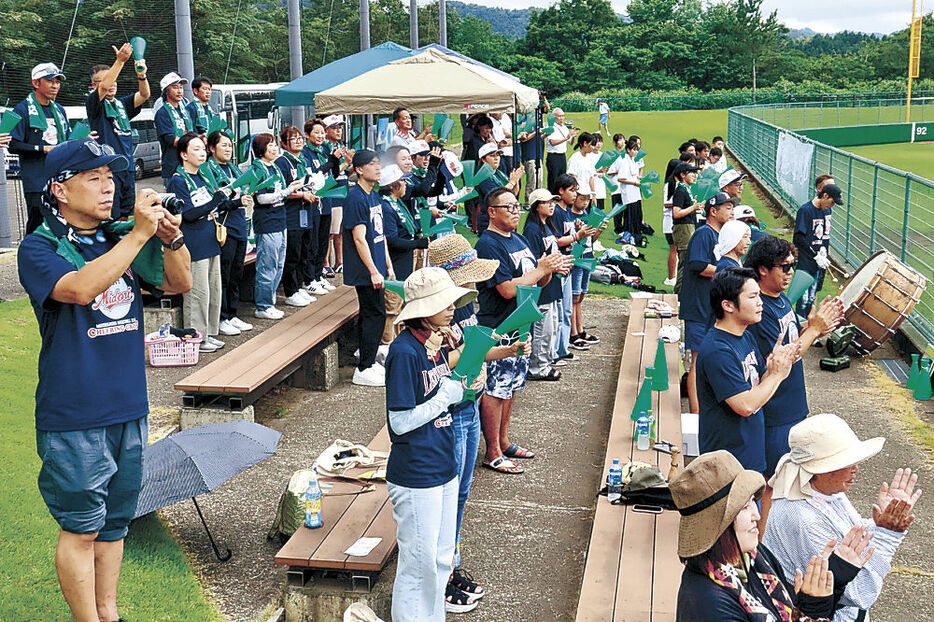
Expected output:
(9, 120)
(81, 130)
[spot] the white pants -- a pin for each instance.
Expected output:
(426, 522)
(201, 306)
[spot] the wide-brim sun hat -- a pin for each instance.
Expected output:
(820, 444)
(709, 493)
(454, 254)
(429, 291)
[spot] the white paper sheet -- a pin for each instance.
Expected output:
(362, 547)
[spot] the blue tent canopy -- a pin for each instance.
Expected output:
(301, 91)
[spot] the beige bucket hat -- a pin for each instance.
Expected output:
(454, 254)
(709, 493)
(819, 444)
(429, 291)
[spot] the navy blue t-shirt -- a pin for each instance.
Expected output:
(464, 317)
(515, 259)
(756, 234)
(727, 262)
(814, 223)
(789, 405)
(728, 365)
(588, 241)
(165, 129)
(235, 218)
(424, 457)
(32, 163)
(198, 228)
(298, 212)
(564, 222)
(362, 208)
(107, 131)
(269, 217)
(317, 164)
(695, 289)
(542, 241)
(92, 370)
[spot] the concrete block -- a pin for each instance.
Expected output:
(154, 317)
(193, 417)
(324, 374)
(324, 600)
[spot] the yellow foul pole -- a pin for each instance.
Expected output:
(914, 49)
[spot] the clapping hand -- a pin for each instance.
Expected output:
(782, 358)
(854, 548)
(552, 263)
(826, 316)
(816, 580)
(892, 509)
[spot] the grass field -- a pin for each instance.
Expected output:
(157, 582)
(917, 158)
(816, 114)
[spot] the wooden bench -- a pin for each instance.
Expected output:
(632, 571)
(346, 518)
(240, 377)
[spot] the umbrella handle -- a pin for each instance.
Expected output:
(217, 552)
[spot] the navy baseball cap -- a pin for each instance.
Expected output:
(834, 192)
(719, 199)
(361, 158)
(83, 155)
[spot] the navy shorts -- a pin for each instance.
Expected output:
(694, 333)
(90, 479)
(776, 446)
(506, 376)
(580, 281)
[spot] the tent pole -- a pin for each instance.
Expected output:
(443, 22)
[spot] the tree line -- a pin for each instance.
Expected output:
(573, 46)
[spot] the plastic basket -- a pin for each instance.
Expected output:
(173, 352)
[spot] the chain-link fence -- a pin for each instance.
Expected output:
(885, 208)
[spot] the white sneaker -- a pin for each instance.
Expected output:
(240, 324)
(326, 285)
(670, 282)
(297, 300)
(369, 377)
(307, 296)
(381, 353)
(315, 288)
(217, 343)
(226, 327)
(271, 313)
(207, 346)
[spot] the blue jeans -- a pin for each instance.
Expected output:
(270, 260)
(809, 297)
(466, 444)
(563, 336)
(426, 520)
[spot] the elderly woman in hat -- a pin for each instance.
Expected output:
(732, 243)
(422, 471)
(454, 254)
(810, 505)
(728, 575)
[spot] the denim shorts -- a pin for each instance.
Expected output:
(506, 376)
(90, 479)
(580, 281)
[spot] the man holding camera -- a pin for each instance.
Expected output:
(83, 276)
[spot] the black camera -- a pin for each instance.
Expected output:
(172, 203)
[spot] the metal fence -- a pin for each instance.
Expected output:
(885, 208)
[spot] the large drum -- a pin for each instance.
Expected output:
(878, 298)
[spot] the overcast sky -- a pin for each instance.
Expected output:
(823, 16)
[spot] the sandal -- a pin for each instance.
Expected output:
(462, 580)
(516, 451)
(503, 465)
(457, 600)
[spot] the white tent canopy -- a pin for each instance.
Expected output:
(427, 83)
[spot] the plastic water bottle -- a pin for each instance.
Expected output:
(614, 482)
(313, 504)
(643, 426)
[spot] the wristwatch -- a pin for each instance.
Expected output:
(175, 244)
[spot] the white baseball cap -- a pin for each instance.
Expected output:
(171, 78)
(333, 119)
(487, 149)
(743, 211)
(47, 70)
(419, 147)
(389, 174)
(730, 176)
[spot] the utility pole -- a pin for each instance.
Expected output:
(413, 24)
(443, 22)
(6, 232)
(183, 51)
(295, 54)
(364, 25)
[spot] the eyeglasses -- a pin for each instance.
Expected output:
(786, 267)
(297, 139)
(512, 208)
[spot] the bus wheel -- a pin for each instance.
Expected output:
(138, 169)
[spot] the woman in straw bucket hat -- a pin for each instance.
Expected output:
(728, 575)
(810, 505)
(422, 471)
(454, 254)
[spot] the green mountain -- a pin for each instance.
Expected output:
(510, 23)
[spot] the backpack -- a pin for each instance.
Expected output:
(291, 511)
